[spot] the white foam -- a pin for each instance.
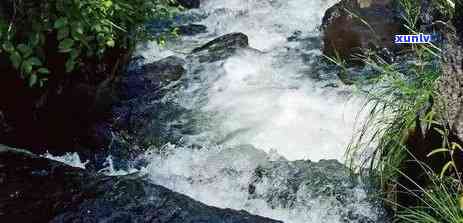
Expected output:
(265, 100)
(71, 159)
(267, 23)
(280, 111)
(269, 100)
(110, 170)
(221, 178)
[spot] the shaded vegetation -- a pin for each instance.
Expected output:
(61, 62)
(406, 144)
(77, 30)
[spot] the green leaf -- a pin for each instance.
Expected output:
(32, 80)
(78, 29)
(456, 146)
(107, 3)
(26, 67)
(25, 50)
(110, 43)
(8, 47)
(42, 81)
(35, 61)
(62, 33)
(97, 28)
(70, 64)
(43, 70)
(441, 150)
(15, 58)
(445, 168)
(440, 131)
(35, 39)
(60, 23)
(74, 54)
(65, 45)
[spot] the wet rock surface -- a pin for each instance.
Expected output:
(139, 119)
(353, 25)
(221, 47)
(35, 189)
(191, 29)
(189, 4)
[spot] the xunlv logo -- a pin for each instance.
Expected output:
(421, 38)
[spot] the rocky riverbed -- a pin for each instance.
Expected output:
(240, 119)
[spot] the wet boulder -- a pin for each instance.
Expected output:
(353, 25)
(189, 4)
(191, 29)
(35, 189)
(140, 117)
(311, 185)
(168, 69)
(148, 78)
(221, 47)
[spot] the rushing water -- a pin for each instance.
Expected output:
(268, 100)
(255, 108)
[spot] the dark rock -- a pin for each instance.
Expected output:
(150, 77)
(4, 127)
(293, 184)
(191, 29)
(35, 189)
(59, 117)
(6, 9)
(168, 69)
(345, 34)
(458, 20)
(222, 47)
(189, 4)
(141, 118)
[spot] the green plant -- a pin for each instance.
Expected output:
(398, 95)
(440, 201)
(82, 29)
(394, 98)
(403, 98)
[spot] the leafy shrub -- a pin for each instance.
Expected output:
(80, 28)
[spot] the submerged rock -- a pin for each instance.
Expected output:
(325, 184)
(221, 47)
(35, 189)
(191, 29)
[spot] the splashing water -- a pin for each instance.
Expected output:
(71, 159)
(256, 108)
(269, 100)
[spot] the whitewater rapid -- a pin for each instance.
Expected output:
(269, 100)
(255, 108)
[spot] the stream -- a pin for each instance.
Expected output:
(264, 130)
(254, 108)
